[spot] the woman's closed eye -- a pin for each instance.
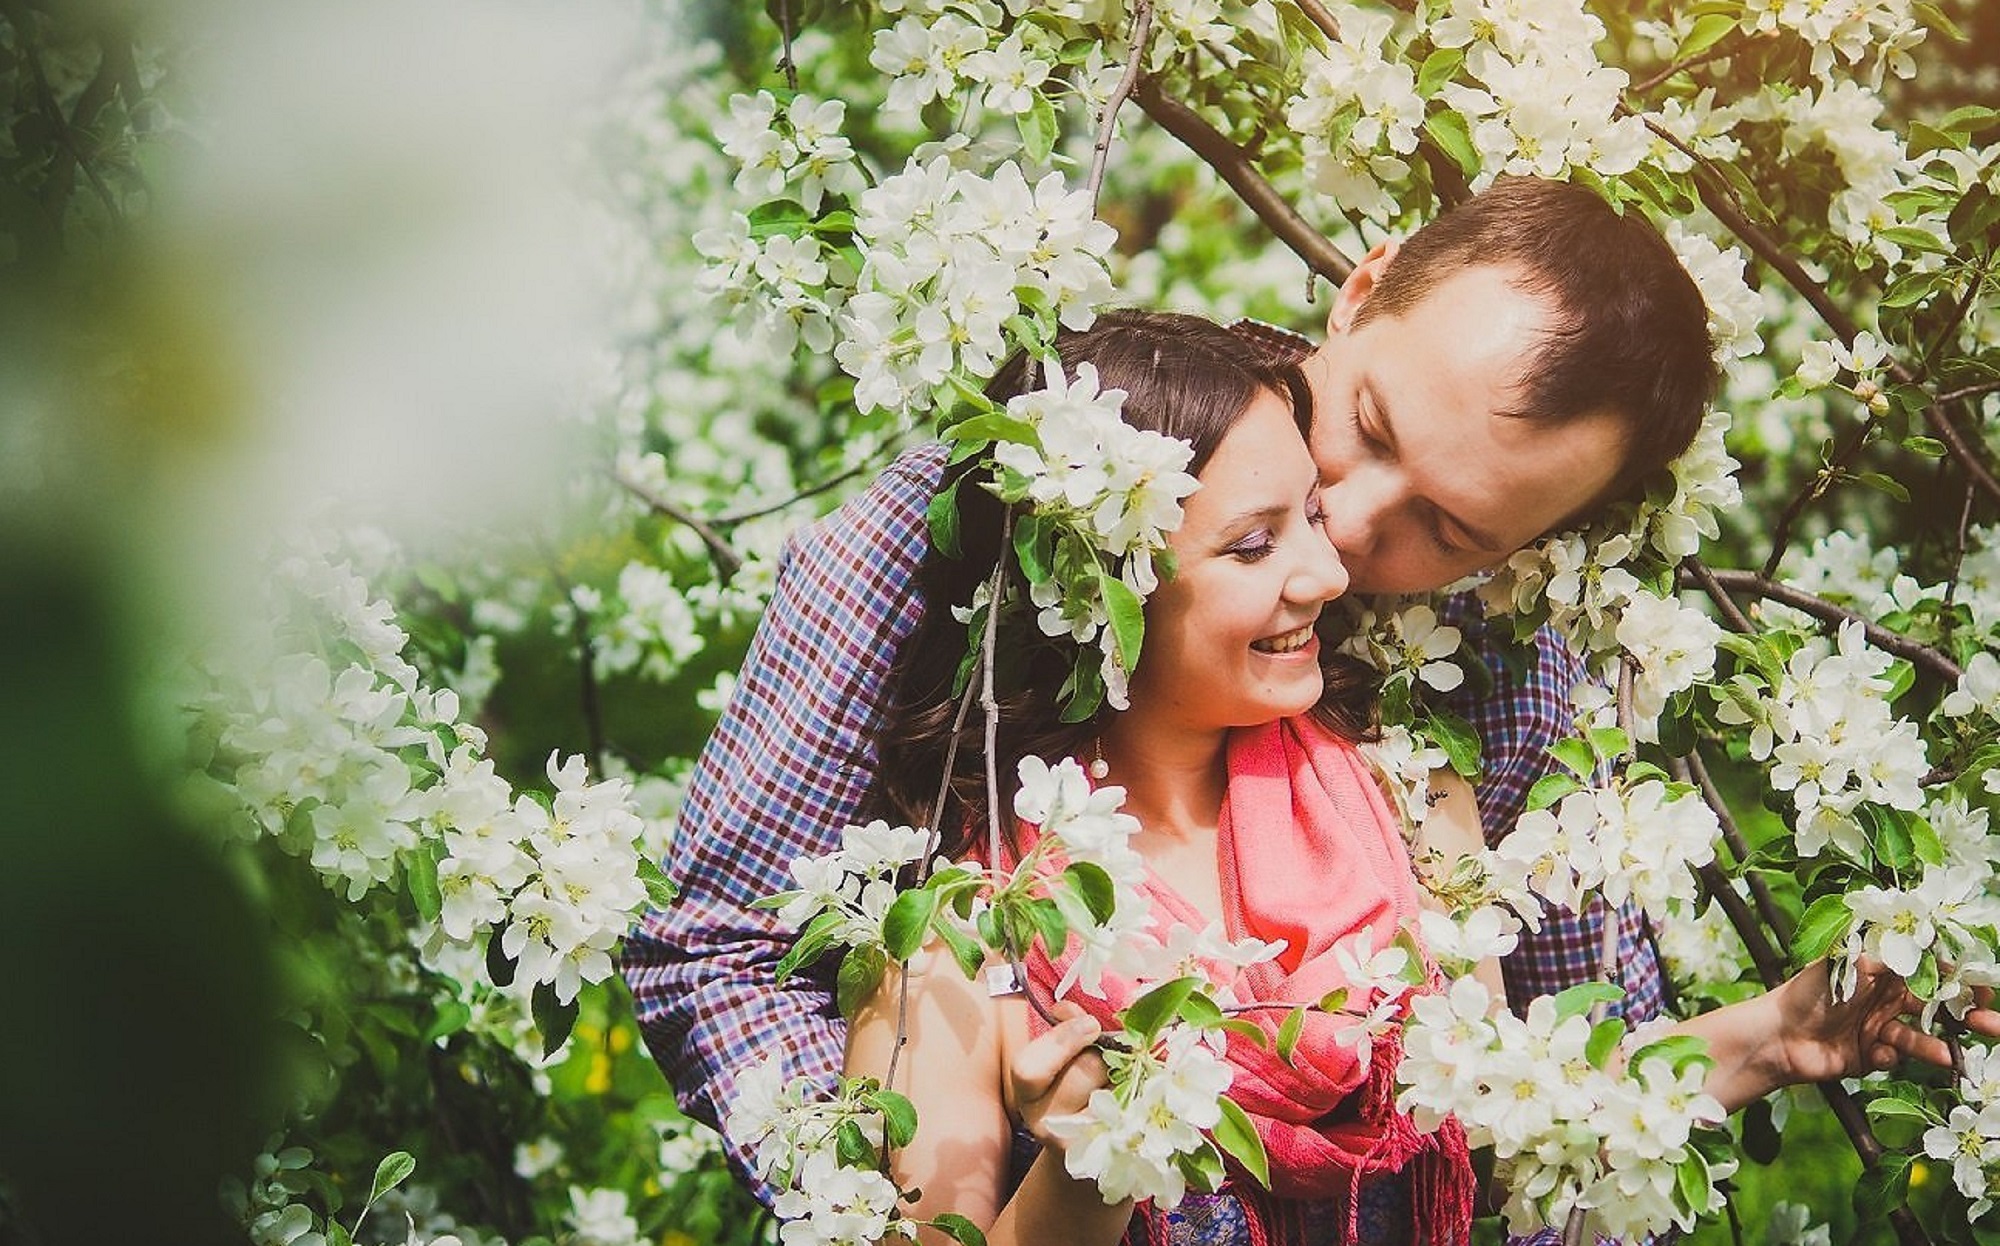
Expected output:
(1255, 547)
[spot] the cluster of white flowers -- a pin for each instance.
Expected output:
(1700, 947)
(1948, 918)
(601, 1218)
(949, 257)
(1406, 762)
(1119, 487)
(1358, 114)
(938, 48)
(648, 624)
(856, 881)
(1969, 1138)
(1544, 104)
(1846, 567)
(1840, 119)
(1834, 741)
(1570, 1128)
(1878, 32)
(1670, 648)
(1583, 581)
(1131, 1136)
(1640, 841)
(368, 773)
(1408, 646)
(795, 1133)
(1734, 309)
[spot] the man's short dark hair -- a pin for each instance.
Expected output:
(1632, 338)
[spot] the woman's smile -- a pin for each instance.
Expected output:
(1284, 644)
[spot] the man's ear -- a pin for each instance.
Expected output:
(1359, 285)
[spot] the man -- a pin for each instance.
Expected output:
(1509, 368)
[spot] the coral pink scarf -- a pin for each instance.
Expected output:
(1310, 856)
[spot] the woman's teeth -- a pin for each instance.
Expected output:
(1290, 642)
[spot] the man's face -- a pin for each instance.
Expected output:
(1424, 477)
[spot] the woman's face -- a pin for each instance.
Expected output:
(1229, 638)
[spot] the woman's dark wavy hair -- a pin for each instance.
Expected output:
(1183, 376)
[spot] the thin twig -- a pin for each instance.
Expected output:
(1107, 126)
(731, 518)
(1822, 480)
(1958, 548)
(1726, 48)
(727, 560)
(1922, 655)
(789, 65)
(1220, 153)
(1970, 391)
(1321, 16)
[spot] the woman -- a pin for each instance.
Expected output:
(1256, 814)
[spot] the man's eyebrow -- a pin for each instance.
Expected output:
(1385, 428)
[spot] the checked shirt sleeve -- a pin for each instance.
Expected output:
(1526, 713)
(780, 778)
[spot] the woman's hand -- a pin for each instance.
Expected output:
(1054, 1074)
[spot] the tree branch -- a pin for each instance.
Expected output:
(1822, 480)
(1107, 126)
(1728, 47)
(1732, 614)
(727, 561)
(1691, 769)
(1319, 15)
(1970, 391)
(731, 518)
(1717, 198)
(1922, 655)
(1233, 163)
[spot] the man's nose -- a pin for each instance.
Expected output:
(1356, 506)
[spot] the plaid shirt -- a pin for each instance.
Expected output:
(790, 760)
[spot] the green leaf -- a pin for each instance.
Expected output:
(780, 216)
(1334, 1000)
(554, 1018)
(1095, 888)
(1604, 1039)
(1610, 742)
(1288, 1033)
(1924, 982)
(1449, 131)
(1706, 32)
(1924, 841)
(1039, 129)
(969, 955)
(1551, 788)
(1575, 756)
(1883, 484)
(991, 426)
(908, 921)
(1934, 17)
(899, 1115)
(1761, 1139)
(860, 974)
(1691, 1180)
(1920, 240)
(1202, 1167)
(1458, 740)
(851, 1146)
(1236, 1135)
(812, 943)
(1031, 547)
(660, 890)
(394, 1169)
(1824, 923)
(1201, 1011)
(1900, 1109)
(1151, 1011)
(499, 965)
(452, 1015)
(1577, 1000)
(420, 871)
(963, 1231)
(1438, 69)
(1128, 617)
(1929, 447)
(336, 1235)
(942, 517)
(1676, 1050)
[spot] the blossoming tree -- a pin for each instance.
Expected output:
(456, 776)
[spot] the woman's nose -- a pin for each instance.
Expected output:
(1321, 576)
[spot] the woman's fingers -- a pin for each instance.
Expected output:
(1040, 1064)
